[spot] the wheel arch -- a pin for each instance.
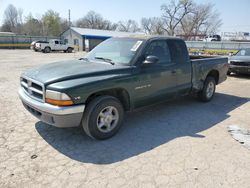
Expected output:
(215, 74)
(120, 93)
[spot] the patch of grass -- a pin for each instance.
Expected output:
(212, 51)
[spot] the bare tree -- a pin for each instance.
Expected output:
(32, 26)
(10, 19)
(152, 26)
(202, 21)
(94, 20)
(128, 26)
(174, 12)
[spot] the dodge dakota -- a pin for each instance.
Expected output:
(119, 75)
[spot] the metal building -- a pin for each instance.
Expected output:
(86, 39)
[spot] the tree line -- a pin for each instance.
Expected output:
(178, 17)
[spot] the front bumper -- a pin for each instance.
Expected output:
(239, 69)
(54, 115)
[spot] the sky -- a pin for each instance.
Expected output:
(234, 13)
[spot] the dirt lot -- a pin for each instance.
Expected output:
(183, 143)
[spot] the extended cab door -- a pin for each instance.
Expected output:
(180, 56)
(57, 45)
(157, 81)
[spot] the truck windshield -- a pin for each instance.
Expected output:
(117, 50)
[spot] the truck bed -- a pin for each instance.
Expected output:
(203, 65)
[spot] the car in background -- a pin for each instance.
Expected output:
(240, 62)
(212, 38)
(33, 44)
(54, 45)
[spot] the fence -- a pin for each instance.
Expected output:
(224, 45)
(20, 41)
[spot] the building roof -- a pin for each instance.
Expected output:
(7, 33)
(102, 33)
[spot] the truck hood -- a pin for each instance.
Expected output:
(240, 58)
(67, 70)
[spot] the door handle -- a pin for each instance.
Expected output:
(173, 71)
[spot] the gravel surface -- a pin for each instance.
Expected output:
(183, 143)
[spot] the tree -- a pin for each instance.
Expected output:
(203, 20)
(32, 26)
(94, 20)
(173, 14)
(152, 26)
(128, 26)
(10, 21)
(51, 23)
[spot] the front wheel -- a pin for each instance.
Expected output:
(103, 117)
(69, 50)
(207, 93)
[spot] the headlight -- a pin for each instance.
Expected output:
(58, 98)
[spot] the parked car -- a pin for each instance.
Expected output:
(240, 62)
(54, 45)
(33, 44)
(120, 74)
(212, 38)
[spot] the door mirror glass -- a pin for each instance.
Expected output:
(151, 60)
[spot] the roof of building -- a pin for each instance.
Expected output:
(97, 32)
(7, 33)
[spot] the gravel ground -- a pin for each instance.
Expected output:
(183, 143)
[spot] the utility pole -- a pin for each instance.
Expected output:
(69, 19)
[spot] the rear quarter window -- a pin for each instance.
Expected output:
(178, 51)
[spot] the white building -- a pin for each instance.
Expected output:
(86, 39)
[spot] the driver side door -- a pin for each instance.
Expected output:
(156, 81)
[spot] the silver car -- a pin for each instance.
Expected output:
(240, 62)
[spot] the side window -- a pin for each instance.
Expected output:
(66, 41)
(56, 42)
(159, 49)
(178, 51)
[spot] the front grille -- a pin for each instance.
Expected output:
(240, 63)
(33, 88)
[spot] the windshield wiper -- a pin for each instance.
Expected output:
(106, 60)
(84, 58)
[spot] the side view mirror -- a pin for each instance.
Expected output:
(151, 60)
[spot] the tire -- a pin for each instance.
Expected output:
(228, 73)
(47, 50)
(105, 111)
(69, 50)
(207, 93)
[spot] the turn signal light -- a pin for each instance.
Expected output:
(59, 102)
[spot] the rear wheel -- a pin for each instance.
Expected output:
(103, 117)
(207, 93)
(228, 73)
(47, 50)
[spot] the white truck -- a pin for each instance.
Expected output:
(212, 38)
(54, 45)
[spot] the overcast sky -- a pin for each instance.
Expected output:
(234, 13)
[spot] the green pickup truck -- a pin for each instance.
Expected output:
(120, 74)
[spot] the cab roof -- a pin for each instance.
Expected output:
(149, 37)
